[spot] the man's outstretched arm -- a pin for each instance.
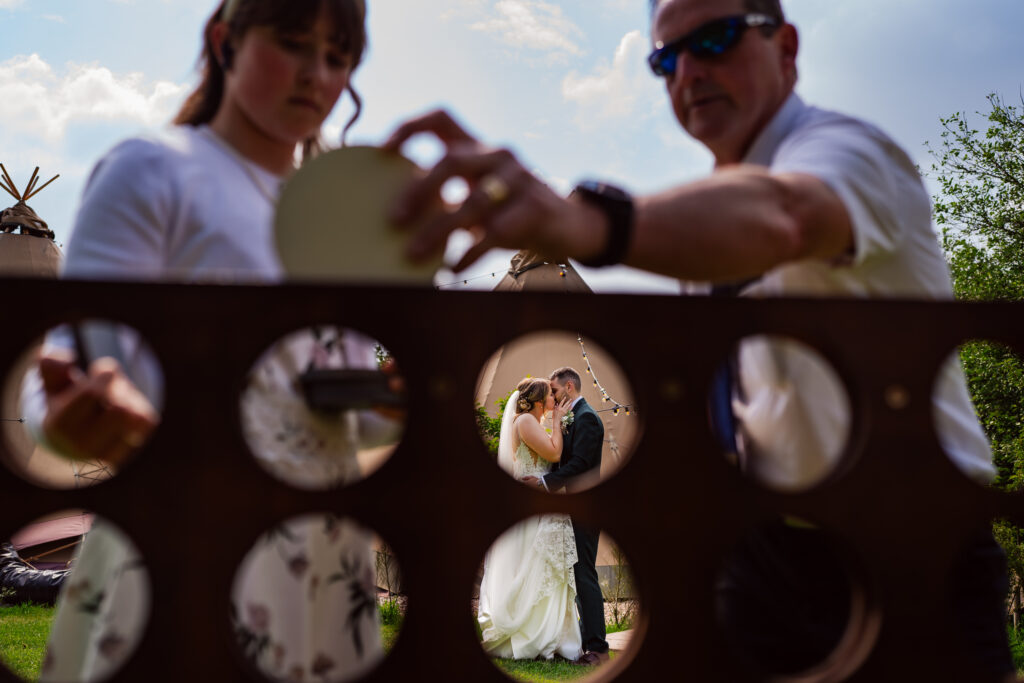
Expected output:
(740, 222)
(735, 224)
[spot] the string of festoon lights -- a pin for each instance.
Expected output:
(467, 280)
(495, 274)
(605, 396)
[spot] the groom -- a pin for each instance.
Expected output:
(579, 469)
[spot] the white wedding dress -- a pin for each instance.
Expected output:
(528, 592)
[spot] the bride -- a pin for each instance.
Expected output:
(528, 592)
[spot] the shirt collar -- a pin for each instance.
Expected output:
(573, 404)
(781, 125)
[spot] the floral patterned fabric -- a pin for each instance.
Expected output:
(301, 447)
(101, 612)
(304, 604)
(304, 601)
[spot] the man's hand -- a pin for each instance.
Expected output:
(740, 222)
(98, 415)
(507, 206)
(533, 481)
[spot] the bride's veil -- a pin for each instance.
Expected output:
(506, 454)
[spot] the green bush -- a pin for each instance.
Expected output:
(390, 613)
(490, 427)
(1016, 638)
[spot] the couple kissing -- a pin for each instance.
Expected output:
(540, 595)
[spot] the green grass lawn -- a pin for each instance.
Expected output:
(543, 672)
(613, 628)
(25, 628)
(389, 634)
(23, 633)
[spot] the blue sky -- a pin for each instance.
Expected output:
(564, 83)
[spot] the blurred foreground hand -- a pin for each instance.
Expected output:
(94, 415)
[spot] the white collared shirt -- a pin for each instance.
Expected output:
(789, 412)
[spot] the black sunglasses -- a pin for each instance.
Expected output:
(705, 41)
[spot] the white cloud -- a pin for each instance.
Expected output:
(54, 18)
(533, 25)
(616, 91)
(40, 102)
(560, 185)
(9, 4)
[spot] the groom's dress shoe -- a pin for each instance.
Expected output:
(592, 659)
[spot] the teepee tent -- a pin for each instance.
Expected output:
(26, 243)
(528, 272)
(539, 353)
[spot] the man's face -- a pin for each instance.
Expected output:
(725, 101)
(557, 389)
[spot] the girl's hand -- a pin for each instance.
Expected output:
(94, 415)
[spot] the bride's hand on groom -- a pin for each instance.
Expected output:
(559, 411)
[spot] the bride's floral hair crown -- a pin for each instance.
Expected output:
(531, 390)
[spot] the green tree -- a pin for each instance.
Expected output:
(980, 208)
(980, 212)
(490, 427)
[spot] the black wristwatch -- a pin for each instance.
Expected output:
(617, 205)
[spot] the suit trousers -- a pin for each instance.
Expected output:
(588, 590)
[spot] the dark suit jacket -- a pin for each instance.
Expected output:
(580, 465)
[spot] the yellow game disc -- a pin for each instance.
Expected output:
(332, 224)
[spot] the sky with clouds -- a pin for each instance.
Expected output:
(563, 82)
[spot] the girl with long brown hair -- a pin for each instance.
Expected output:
(196, 202)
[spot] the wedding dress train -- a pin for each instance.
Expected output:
(528, 592)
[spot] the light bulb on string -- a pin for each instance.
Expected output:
(605, 397)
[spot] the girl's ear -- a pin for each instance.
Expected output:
(220, 42)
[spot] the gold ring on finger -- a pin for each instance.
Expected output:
(495, 189)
